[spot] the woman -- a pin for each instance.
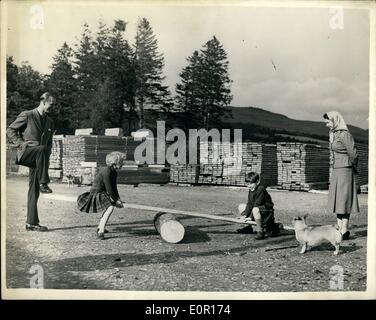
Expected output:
(103, 196)
(343, 198)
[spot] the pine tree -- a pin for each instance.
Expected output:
(150, 93)
(204, 91)
(85, 68)
(216, 83)
(13, 97)
(188, 92)
(24, 88)
(104, 63)
(62, 84)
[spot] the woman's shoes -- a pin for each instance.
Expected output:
(35, 227)
(346, 235)
(105, 230)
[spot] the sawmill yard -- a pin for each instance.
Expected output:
(212, 256)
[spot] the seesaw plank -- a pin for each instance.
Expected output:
(159, 209)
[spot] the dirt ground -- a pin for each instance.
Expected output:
(212, 256)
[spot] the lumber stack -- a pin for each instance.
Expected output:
(302, 166)
(11, 155)
(134, 175)
(131, 144)
(228, 163)
(56, 158)
(362, 176)
(184, 173)
(364, 188)
(77, 149)
(107, 144)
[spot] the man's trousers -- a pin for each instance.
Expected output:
(37, 159)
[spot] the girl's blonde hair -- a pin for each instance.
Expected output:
(115, 158)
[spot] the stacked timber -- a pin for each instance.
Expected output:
(86, 148)
(131, 144)
(77, 149)
(56, 158)
(11, 156)
(107, 144)
(134, 175)
(364, 188)
(228, 163)
(362, 176)
(302, 166)
(184, 173)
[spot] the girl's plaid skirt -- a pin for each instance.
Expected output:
(94, 202)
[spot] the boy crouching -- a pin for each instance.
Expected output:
(259, 208)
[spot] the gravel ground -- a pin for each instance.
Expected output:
(212, 256)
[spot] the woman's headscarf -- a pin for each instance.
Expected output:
(338, 123)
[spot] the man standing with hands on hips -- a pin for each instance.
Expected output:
(32, 133)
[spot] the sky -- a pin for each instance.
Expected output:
(300, 62)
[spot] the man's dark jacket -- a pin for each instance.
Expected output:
(28, 129)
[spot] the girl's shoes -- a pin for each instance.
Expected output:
(105, 230)
(100, 235)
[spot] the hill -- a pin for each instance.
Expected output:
(259, 124)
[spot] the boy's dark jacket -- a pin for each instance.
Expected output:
(258, 198)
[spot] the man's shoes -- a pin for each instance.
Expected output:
(44, 188)
(260, 236)
(248, 230)
(36, 227)
(346, 235)
(105, 230)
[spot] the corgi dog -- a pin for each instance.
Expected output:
(312, 236)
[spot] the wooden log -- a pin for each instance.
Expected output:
(169, 228)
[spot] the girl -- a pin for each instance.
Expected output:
(343, 198)
(103, 196)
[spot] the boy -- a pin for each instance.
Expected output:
(259, 208)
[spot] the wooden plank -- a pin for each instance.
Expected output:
(116, 132)
(81, 132)
(159, 209)
(87, 164)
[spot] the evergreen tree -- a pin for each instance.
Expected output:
(216, 91)
(189, 92)
(104, 63)
(150, 93)
(13, 97)
(24, 88)
(85, 67)
(204, 92)
(62, 84)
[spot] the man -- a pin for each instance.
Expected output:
(32, 134)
